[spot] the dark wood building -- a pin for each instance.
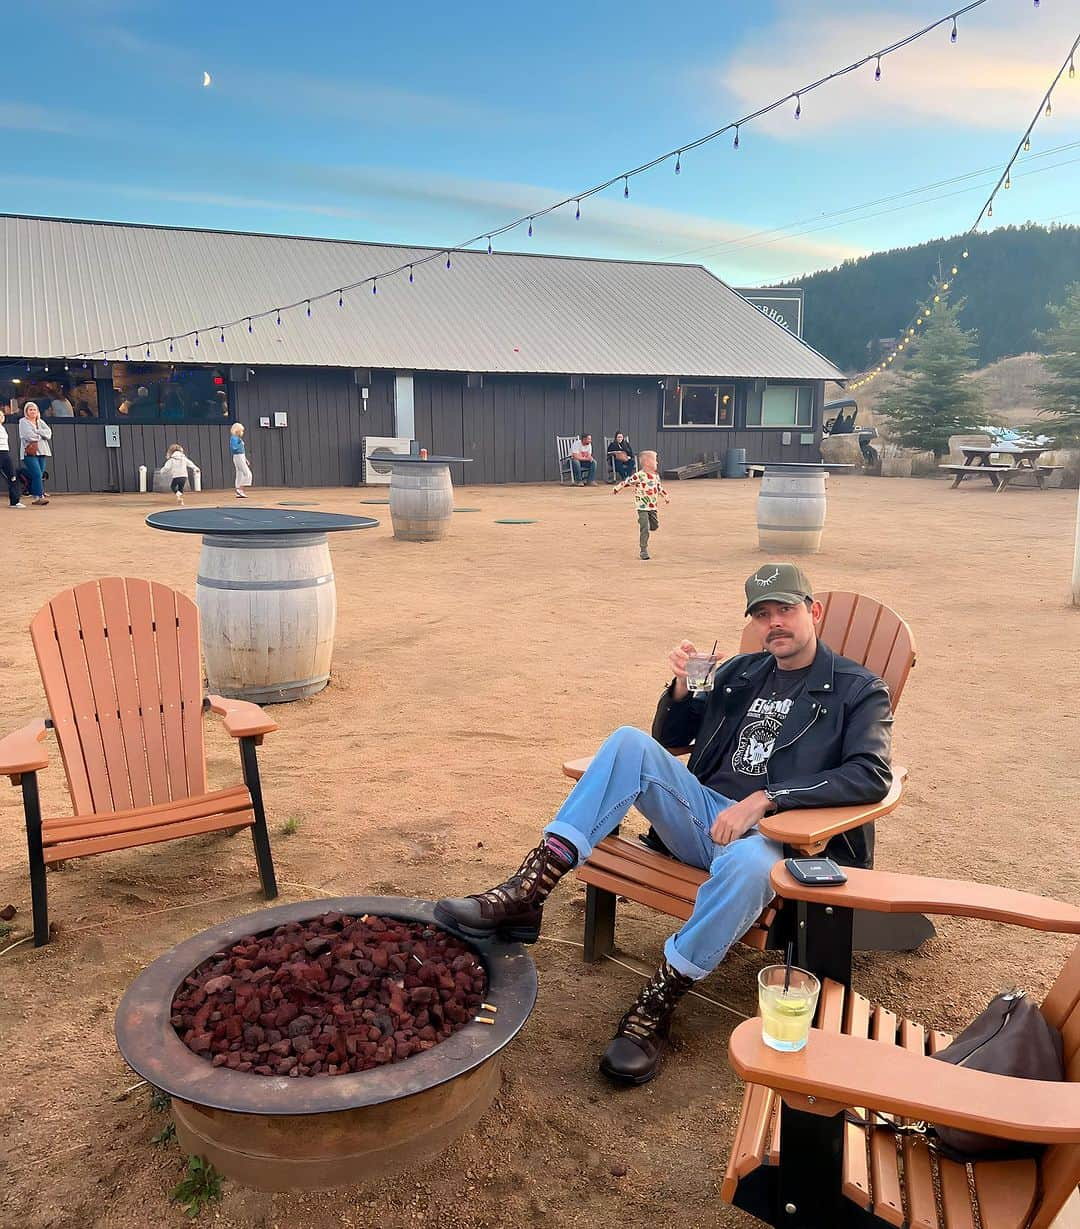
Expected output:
(493, 358)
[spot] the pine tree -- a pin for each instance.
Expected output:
(933, 397)
(1059, 397)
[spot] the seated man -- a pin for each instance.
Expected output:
(793, 726)
(582, 464)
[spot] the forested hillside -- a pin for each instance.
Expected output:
(1009, 277)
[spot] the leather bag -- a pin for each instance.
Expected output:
(31, 449)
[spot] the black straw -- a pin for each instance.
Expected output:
(714, 644)
(787, 966)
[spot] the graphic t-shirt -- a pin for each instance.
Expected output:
(647, 490)
(748, 746)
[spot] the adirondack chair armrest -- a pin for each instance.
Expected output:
(839, 1071)
(576, 768)
(886, 892)
(812, 828)
(242, 718)
(23, 752)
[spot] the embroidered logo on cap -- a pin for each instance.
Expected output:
(765, 581)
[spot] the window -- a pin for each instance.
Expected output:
(57, 393)
(158, 392)
(783, 405)
(700, 405)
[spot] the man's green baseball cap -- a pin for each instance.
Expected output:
(777, 582)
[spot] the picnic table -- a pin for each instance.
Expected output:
(1021, 459)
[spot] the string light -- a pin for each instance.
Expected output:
(577, 213)
(410, 275)
(374, 285)
(990, 210)
(1072, 69)
(1008, 183)
(733, 126)
(308, 304)
(170, 345)
(1049, 109)
(147, 355)
(448, 260)
(489, 245)
(222, 337)
(341, 298)
(250, 329)
(196, 340)
(955, 34)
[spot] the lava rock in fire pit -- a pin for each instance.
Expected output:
(329, 996)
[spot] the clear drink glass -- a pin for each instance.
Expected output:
(786, 1015)
(700, 668)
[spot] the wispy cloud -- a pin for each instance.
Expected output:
(221, 200)
(990, 79)
(28, 117)
(614, 225)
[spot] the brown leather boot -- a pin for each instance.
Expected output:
(511, 910)
(633, 1055)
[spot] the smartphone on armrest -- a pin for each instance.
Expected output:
(818, 872)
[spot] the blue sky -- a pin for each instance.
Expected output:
(427, 123)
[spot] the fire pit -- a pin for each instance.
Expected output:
(282, 1133)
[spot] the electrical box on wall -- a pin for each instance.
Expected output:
(264, 421)
(807, 437)
(112, 437)
(281, 418)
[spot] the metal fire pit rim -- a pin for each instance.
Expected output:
(150, 1045)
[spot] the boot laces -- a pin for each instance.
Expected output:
(535, 874)
(654, 1004)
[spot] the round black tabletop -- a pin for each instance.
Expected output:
(255, 521)
(411, 458)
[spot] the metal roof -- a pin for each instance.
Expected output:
(74, 287)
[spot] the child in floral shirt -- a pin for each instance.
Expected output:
(647, 492)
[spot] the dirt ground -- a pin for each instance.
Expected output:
(465, 671)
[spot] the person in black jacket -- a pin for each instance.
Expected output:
(793, 726)
(621, 452)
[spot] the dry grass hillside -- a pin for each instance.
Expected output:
(1007, 386)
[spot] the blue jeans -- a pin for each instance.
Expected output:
(35, 468)
(623, 469)
(632, 769)
(578, 468)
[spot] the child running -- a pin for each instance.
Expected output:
(176, 466)
(647, 490)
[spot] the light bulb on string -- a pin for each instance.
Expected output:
(147, 355)
(919, 321)
(448, 260)
(251, 328)
(221, 339)
(990, 210)
(1027, 145)
(279, 315)
(410, 275)
(1008, 182)
(1049, 109)
(964, 254)
(944, 285)
(307, 303)
(735, 143)
(798, 106)
(1072, 69)
(374, 285)
(170, 345)
(955, 33)
(196, 340)
(341, 298)
(626, 188)
(489, 245)
(577, 212)
(678, 163)
(530, 227)
(953, 270)
(877, 69)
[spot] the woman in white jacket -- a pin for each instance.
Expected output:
(177, 464)
(34, 436)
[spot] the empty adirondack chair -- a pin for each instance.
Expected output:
(120, 663)
(859, 628)
(796, 1160)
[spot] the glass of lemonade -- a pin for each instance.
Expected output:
(700, 668)
(786, 1015)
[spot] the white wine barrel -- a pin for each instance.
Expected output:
(421, 502)
(791, 511)
(267, 609)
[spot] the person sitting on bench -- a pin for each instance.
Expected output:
(793, 726)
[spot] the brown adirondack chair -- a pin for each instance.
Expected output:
(120, 663)
(797, 1161)
(859, 628)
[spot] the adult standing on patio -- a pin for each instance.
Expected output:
(34, 447)
(239, 456)
(582, 463)
(7, 467)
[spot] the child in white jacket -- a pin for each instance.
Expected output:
(176, 466)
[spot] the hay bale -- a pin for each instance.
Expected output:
(842, 450)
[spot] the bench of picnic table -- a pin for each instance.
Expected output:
(999, 475)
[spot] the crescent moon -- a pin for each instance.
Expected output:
(206, 78)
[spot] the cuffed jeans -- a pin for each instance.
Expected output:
(632, 769)
(583, 469)
(35, 469)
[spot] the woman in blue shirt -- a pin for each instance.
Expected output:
(240, 461)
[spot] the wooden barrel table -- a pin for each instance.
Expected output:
(266, 596)
(421, 495)
(791, 507)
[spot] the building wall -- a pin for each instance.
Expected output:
(508, 427)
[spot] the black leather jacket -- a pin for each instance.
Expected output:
(832, 750)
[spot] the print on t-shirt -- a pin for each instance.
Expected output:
(758, 736)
